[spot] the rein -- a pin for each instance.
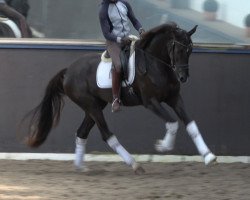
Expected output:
(172, 66)
(154, 57)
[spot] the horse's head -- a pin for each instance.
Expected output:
(179, 49)
(171, 45)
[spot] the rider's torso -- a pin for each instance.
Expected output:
(118, 15)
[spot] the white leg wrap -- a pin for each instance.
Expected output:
(194, 133)
(80, 153)
(168, 142)
(118, 148)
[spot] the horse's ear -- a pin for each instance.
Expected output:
(191, 32)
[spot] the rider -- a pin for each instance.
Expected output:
(114, 18)
(9, 12)
(21, 6)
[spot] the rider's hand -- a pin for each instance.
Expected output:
(126, 41)
(141, 32)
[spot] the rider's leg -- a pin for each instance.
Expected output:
(114, 50)
(116, 88)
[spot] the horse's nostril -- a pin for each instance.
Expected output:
(183, 80)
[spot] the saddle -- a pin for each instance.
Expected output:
(103, 73)
(124, 57)
(126, 52)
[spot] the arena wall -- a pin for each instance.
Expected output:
(216, 96)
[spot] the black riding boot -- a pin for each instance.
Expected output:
(116, 86)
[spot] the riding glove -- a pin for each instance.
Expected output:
(126, 41)
(141, 32)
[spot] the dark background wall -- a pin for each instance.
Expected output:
(217, 96)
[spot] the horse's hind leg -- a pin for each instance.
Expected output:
(193, 131)
(81, 140)
(112, 141)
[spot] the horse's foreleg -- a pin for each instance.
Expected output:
(168, 142)
(81, 140)
(193, 132)
(196, 136)
(112, 141)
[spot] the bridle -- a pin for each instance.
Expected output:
(174, 43)
(173, 65)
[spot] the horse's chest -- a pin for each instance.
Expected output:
(174, 88)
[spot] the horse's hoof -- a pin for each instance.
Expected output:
(82, 169)
(161, 146)
(210, 159)
(138, 169)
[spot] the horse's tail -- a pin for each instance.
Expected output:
(47, 114)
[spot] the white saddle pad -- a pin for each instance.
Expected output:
(104, 76)
(12, 25)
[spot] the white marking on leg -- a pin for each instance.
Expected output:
(196, 136)
(168, 142)
(80, 153)
(121, 151)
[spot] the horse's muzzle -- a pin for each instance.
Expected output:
(183, 79)
(183, 75)
(182, 72)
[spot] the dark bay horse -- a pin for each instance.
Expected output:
(162, 58)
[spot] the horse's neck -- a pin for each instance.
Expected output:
(154, 60)
(157, 47)
(154, 55)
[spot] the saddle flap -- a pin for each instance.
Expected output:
(103, 74)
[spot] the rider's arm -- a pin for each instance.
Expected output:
(132, 17)
(106, 25)
(14, 15)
